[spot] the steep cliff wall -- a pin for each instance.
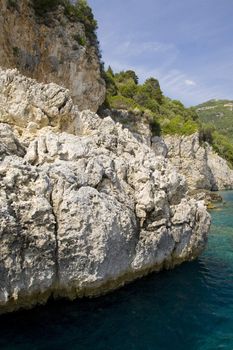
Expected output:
(85, 205)
(201, 166)
(51, 47)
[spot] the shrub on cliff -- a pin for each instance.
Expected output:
(179, 126)
(206, 134)
(43, 6)
(79, 11)
(121, 102)
(83, 13)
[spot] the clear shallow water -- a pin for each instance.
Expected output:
(190, 307)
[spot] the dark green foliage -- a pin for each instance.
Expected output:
(149, 95)
(80, 40)
(12, 4)
(77, 12)
(179, 126)
(193, 113)
(121, 102)
(110, 71)
(16, 51)
(206, 134)
(125, 76)
(80, 11)
(164, 115)
(110, 83)
(129, 89)
(84, 15)
(152, 88)
(176, 119)
(43, 6)
(155, 127)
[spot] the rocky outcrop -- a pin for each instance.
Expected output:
(223, 174)
(52, 48)
(85, 205)
(136, 121)
(191, 160)
(201, 166)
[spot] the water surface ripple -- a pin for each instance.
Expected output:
(190, 307)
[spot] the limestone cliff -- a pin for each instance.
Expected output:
(86, 205)
(202, 167)
(51, 48)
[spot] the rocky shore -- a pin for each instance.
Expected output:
(86, 205)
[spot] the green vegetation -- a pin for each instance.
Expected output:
(165, 116)
(216, 117)
(219, 142)
(219, 115)
(213, 119)
(16, 51)
(223, 147)
(80, 40)
(79, 11)
(43, 6)
(76, 12)
(83, 13)
(13, 4)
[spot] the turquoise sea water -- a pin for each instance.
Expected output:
(189, 308)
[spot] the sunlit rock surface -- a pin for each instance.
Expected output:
(86, 206)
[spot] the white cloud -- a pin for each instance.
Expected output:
(190, 82)
(130, 48)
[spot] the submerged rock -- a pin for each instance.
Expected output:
(86, 205)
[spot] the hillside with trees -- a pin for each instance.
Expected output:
(167, 116)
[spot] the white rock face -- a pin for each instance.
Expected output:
(85, 205)
(223, 174)
(201, 166)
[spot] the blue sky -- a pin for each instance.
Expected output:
(186, 44)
